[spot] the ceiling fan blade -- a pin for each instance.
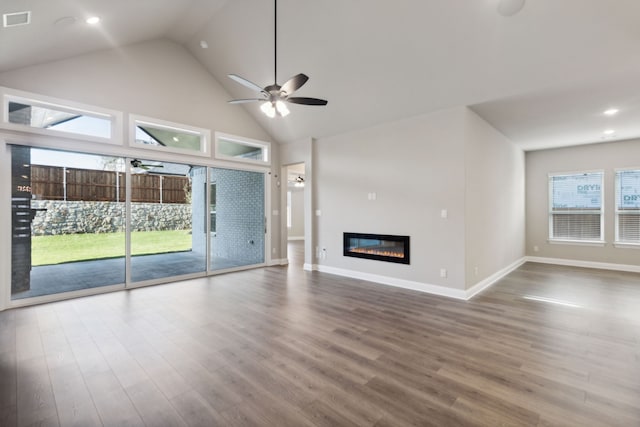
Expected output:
(244, 101)
(306, 101)
(246, 83)
(294, 83)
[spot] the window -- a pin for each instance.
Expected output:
(49, 116)
(229, 147)
(628, 206)
(576, 212)
(166, 136)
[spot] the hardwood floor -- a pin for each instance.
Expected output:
(546, 346)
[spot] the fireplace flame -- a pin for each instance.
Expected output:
(394, 254)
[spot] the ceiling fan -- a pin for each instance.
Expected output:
(275, 96)
(138, 164)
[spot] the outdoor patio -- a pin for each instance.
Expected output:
(73, 276)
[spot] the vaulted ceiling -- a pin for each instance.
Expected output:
(543, 76)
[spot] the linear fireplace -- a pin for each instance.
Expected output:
(381, 247)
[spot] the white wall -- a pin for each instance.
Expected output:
(297, 213)
(449, 160)
(415, 166)
(606, 156)
(494, 202)
(158, 79)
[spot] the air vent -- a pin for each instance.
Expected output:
(15, 19)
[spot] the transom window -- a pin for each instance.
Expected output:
(166, 136)
(48, 116)
(628, 206)
(576, 211)
(237, 149)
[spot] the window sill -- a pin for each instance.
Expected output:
(623, 245)
(597, 243)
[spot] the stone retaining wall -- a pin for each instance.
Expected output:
(63, 217)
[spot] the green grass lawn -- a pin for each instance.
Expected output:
(63, 248)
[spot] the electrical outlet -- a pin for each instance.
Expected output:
(443, 272)
(475, 270)
(444, 214)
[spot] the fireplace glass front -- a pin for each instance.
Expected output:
(380, 247)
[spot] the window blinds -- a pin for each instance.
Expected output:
(576, 206)
(628, 206)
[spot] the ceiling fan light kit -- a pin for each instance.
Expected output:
(274, 97)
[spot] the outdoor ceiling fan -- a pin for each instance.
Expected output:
(274, 97)
(138, 164)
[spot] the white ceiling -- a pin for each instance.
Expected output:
(542, 77)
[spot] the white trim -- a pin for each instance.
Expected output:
(5, 232)
(392, 281)
(268, 216)
(623, 245)
(552, 212)
(280, 261)
(618, 212)
(585, 264)
(485, 283)
(115, 117)
(576, 242)
(205, 135)
(265, 145)
(295, 238)
(418, 286)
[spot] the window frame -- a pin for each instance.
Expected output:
(205, 135)
(266, 146)
(114, 117)
(601, 211)
(617, 211)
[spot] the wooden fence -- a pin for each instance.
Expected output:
(59, 183)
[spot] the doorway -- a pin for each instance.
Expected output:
(295, 215)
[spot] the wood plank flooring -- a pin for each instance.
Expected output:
(546, 346)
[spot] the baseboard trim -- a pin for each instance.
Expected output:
(295, 238)
(281, 261)
(392, 281)
(485, 283)
(585, 264)
(310, 267)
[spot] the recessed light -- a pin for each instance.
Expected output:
(609, 132)
(611, 112)
(93, 20)
(176, 139)
(204, 44)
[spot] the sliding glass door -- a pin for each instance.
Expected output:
(168, 225)
(68, 226)
(237, 218)
(82, 221)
